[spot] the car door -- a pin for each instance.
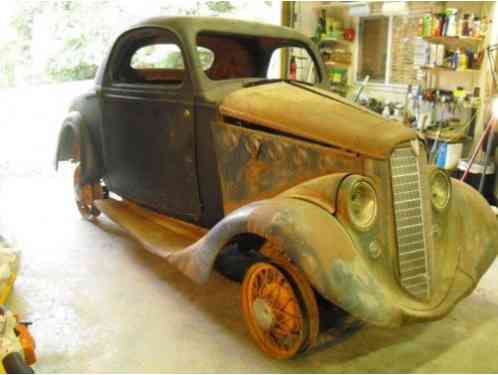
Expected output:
(148, 124)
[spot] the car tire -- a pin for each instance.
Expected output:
(233, 263)
(85, 195)
(275, 310)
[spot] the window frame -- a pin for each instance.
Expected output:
(117, 57)
(387, 73)
(387, 84)
(290, 43)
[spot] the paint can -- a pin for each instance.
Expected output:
(449, 155)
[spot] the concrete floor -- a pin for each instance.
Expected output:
(99, 302)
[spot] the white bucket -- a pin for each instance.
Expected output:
(449, 154)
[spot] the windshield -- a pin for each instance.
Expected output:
(242, 56)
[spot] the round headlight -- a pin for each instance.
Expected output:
(362, 205)
(441, 190)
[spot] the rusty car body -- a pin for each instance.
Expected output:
(336, 200)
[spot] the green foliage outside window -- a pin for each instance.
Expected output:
(60, 40)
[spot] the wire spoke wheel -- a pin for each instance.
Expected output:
(273, 311)
(85, 195)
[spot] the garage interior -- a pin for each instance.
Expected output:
(99, 302)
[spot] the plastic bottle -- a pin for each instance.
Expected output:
(436, 25)
(427, 24)
(462, 60)
(484, 27)
(476, 29)
(420, 29)
(461, 26)
(386, 113)
(451, 29)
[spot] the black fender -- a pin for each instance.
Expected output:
(75, 138)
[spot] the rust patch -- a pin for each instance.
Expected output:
(254, 165)
(318, 116)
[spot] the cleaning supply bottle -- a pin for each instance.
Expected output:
(462, 60)
(451, 28)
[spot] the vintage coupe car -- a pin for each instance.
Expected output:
(198, 140)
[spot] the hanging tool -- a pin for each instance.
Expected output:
(360, 90)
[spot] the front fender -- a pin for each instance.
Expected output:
(314, 240)
(477, 237)
(74, 142)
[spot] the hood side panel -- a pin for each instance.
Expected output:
(255, 165)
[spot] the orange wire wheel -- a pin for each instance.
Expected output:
(273, 310)
(85, 195)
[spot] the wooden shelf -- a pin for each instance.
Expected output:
(339, 4)
(443, 69)
(339, 41)
(338, 64)
(455, 41)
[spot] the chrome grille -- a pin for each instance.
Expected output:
(412, 244)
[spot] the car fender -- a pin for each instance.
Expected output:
(317, 244)
(477, 239)
(75, 142)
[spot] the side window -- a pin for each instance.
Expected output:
(158, 63)
(206, 56)
(158, 56)
(300, 65)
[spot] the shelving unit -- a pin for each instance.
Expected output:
(339, 4)
(445, 78)
(337, 64)
(338, 41)
(337, 52)
(455, 41)
(443, 69)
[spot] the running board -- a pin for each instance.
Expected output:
(166, 237)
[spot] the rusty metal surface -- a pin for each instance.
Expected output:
(336, 259)
(295, 110)
(158, 234)
(255, 165)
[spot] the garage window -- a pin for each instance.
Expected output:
(383, 58)
(372, 59)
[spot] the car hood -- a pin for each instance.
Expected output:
(316, 115)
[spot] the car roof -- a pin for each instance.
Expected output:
(191, 25)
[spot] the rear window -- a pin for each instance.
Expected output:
(242, 56)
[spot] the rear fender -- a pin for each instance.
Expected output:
(75, 143)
